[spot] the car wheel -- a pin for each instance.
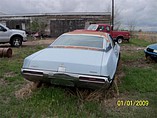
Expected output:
(16, 41)
(119, 40)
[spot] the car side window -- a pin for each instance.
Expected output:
(108, 28)
(2, 28)
(100, 28)
(108, 46)
(111, 40)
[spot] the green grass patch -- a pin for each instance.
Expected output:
(132, 55)
(138, 42)
(51, 102)
(137, 79)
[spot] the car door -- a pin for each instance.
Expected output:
(4, 34)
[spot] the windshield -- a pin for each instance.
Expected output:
(79, 40)
(92, 27)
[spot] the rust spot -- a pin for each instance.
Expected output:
(78, 47)
(5, 52)
(88, 32)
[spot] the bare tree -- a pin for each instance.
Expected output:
(131, 25)
(117, 17)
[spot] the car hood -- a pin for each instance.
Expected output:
(68, 60)
(153, 46)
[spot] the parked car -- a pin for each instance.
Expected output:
(12, 36)
(118, 36)
(151, 51)
(78, 58)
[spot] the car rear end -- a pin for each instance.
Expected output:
(68, 65)
(66, 79)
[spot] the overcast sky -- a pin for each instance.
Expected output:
(142, 12)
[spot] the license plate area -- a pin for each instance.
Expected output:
(62, 82)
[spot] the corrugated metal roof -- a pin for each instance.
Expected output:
(51, 14)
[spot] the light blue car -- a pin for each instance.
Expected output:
(80, 59)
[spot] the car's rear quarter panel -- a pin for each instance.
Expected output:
(110, 61)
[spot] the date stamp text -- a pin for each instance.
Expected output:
(137, 103)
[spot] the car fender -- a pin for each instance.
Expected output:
(110, 62)
(16, 34)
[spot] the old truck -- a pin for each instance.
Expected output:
(118, 36)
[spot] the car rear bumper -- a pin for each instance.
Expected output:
(66, 79)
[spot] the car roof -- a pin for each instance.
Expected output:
(88, 32)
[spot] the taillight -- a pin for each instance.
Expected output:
(91, 79)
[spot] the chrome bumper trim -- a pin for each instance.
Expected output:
(38, 75)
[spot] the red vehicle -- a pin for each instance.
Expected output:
(118, 36)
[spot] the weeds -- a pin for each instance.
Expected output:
(26, 90)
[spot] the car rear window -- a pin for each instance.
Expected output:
(79, 40)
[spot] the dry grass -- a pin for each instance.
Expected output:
(26, 90)
(39, 42)
(100, 94)
(9, 74)
(147, 36)
(3, 82)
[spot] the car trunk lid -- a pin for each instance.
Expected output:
(68, 60)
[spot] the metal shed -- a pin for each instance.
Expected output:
(57, 23)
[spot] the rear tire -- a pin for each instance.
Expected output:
(119, 40)
(16, 41)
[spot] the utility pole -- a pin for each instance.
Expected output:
(113, 13)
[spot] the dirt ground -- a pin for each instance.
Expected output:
(46, 41)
